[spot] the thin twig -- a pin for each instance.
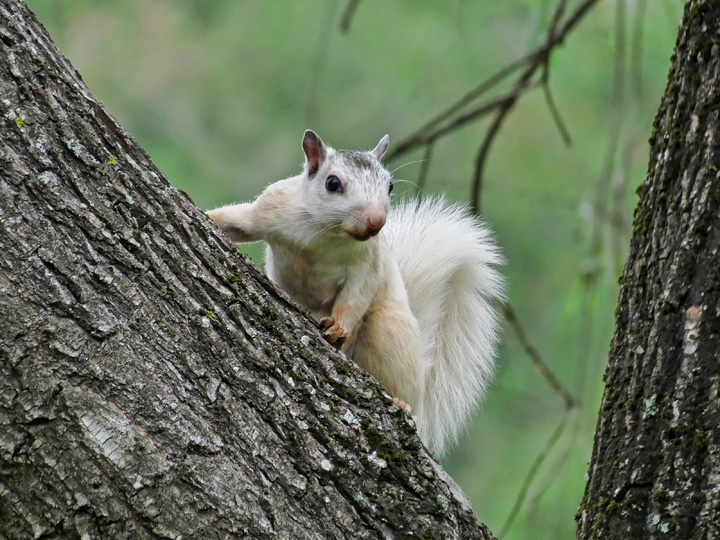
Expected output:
(616, 100)
(590, 279)
(318, 67)
(347, 15)
(549, 100)
(557, 15)
(555, 113)
(537, 361)
(615, 128)
(481, 157)
(451, 124)
(532, 61)
(618, 221)
(637, 42)
(425, 166)
(469, 97)
(575, 17)
(532, 473)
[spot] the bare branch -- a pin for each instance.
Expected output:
(347, 15)
(637, 40)
(574, 18)
(481, 157)
(616, 122)
(425, 166)
(537, 361)
(451, 124)
(555, 112)
(451, 118)
(534, 469)
(468, 98)
(557, 15)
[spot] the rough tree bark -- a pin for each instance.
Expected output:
(153, 384)
(655, 469)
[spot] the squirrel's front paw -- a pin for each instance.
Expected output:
(333, 334)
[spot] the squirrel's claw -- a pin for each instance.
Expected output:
(333, 334)
(400, 403)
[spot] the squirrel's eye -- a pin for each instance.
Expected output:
(333, 184)
(390, 188)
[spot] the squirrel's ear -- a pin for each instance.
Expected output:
(381, 148)
(314, 150)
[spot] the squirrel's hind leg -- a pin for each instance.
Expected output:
(387, 344)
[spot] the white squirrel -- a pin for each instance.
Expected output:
(410, 301)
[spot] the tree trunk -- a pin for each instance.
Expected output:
(655, 468)
(153, 384)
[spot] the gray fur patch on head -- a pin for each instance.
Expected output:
(364, 177)
(358, 160)
(363, 165)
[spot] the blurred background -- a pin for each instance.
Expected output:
(219, 93)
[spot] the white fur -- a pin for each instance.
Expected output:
(447, 259)
(414, 300)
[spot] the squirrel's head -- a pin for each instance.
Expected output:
(348, 192)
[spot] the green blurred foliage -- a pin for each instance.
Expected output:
(219, 93)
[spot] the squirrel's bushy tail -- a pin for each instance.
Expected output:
(447, 258)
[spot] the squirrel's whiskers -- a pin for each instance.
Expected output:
(408, 295)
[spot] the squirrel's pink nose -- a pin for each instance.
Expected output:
(375, 222)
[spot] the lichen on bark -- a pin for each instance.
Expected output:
(656, 459)
(153, 383)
